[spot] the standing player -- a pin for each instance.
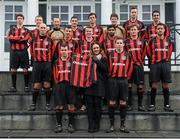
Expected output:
(76, 31)
(120, 68)
(56, 33)
(38, 21)
(62, 89)
(136, 47)
(133, 20)
(97, 30)
(18, 37)
(159, 52)
(42, 49)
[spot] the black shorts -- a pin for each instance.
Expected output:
(42, 72)
(19, 59)
(64, 94)
(137, 75)
(160, 72)
(118, 89)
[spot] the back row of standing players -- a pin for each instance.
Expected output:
(46, 45)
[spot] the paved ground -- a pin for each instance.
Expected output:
(84, 134)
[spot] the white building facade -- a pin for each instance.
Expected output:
(65, 9)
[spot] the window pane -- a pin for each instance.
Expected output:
(155, 7)
(123, 8)
(123, 16)
(86, 9)
(64, 23)
(64, 16)
(18, 8)
(55, 9)
(8, 16)
(146, 16)
(8, 8)
(64, 9)
(84, 23)
(146, 8)
(6, 45)
(77, 8)
(78, 16)
(54, 16)
(85, 16)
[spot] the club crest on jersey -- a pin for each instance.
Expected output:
(47, 43)
(124, 58)
(69, 65)
(97, 30)
(139, 43)
(78, 33)
(166, 44)
(70, 45)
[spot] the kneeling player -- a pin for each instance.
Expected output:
(62, 90)
(120, 69)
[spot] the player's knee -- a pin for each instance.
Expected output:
(59, 108)
(122, 104)
(71, 108)
(37, 86)
(112, 104)
(46, 85)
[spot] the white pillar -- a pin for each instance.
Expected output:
(33, 11)
(106, 11)
(178, 27)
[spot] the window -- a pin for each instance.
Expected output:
(147, 12)
(10, 18)
(60, 12)
(82, 12)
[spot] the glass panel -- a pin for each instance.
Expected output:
(8, 8)
(155, 7)
(18, 8)
(64, 23)
(146, 16)
(77, 8)
(8, 16)
(87, 9)
(123, 8)
(64, 16)
(55, 9)
(85, 16)
(146, 8)
(54, 16)
(78, 16)
(123, 16)
(6, 45)
(64, 9)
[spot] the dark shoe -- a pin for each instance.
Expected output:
(111, 129)
(12, 89)
(70, 128)
(168, 108)
(32, 107)
(141, 108)
(91, 129)
(48, 107)
(151, 108)
(58, 129)
(130, 108)
(26, 89)
(124, 129)
(96, 127)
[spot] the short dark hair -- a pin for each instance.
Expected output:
(114, 15)
(134, 25)
(67, 26)
(19, 15)
(161, 24)
(110, 26)
(87, 27)
(155, 11)
(39, 16)
(132, 8)
(92, 14)
(74, 17)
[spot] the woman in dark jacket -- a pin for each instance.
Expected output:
(95, 93)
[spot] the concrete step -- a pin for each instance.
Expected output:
(21, 101)
(136, 121)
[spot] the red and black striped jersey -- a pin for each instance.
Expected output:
(151, 32)
(34, 33)
(98, 34)
(127, 25)
(42, 49)
(109, 45)
(83, 71)
(61, 70)
(120, 65)
(77, 34)
(85, 46)
(159, 50)
(137, 50)
(71, 44)
(18, 38)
